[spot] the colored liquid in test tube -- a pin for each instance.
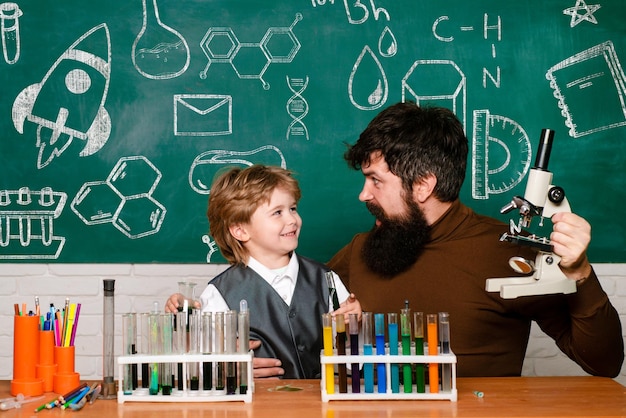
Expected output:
(207, 348)
(327, 328)
(433, 368)
(368, 350)
(154, 348)
(129, 324)
(444, 339)
(354, 350)
(341, 351)
(392, 323)
(418, 336)
(379, 324)
(244, 341)
(405, 332)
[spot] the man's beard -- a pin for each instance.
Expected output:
(395, 245)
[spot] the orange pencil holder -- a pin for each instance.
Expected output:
(26, 356)
(47, 367)
(65, 379)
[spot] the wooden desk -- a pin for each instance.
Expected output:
(503, 397)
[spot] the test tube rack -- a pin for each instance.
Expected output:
(186, 395)
(388, 360)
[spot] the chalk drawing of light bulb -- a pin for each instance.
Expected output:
(159, 52)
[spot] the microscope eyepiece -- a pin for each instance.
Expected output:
(545, 147)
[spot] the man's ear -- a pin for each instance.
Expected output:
(423, 188)
(239, 232)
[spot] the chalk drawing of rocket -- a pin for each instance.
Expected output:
(69, 101)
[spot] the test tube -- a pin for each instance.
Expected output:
(354, 350)
(444, 339)
(180, 337)
(207, 348)
(153, 324)
(167, 338)
(244, 342)
(108, 335)
(433, 368)
(327, 328)
(219, 349)
(195, 327)
(129, 324)
(368, 350)
(340, 325)
(392, 324)
(405, 332)
(230, 330)
(144, 349)
(418, 336)
(379, 321)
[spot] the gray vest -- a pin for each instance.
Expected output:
(293, 333)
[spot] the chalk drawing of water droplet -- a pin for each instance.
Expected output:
(159, 52)
(387, 44)
(368, 75)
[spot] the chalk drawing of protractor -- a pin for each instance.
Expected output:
(501, 154)
(207, 164)
(27, 224)
(83, 73)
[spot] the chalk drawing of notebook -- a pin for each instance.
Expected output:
(591, 90)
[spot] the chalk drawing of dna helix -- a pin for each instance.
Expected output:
(297, 107)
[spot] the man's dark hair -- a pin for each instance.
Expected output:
(416, 141)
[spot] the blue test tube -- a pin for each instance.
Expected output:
(392, 323)
(379, 320)
(368, 350)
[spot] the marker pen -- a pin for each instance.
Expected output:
(368, 350)
(433, 368)
(244, 342)
(405, 332)
(379, 321)
(392, 324)
(444, 338)
(327, 328)
(341, 351)
(418, 337)
(354, 350)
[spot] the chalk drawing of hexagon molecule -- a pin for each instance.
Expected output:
(123, 199)
(250, 60)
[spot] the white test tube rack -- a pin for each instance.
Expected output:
(388, 360)
(186, 395)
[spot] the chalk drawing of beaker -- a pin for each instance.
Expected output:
(159, 52)
(10, 29)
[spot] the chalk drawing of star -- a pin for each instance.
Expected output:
(588, 9)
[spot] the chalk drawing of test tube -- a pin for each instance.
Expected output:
(10, 30)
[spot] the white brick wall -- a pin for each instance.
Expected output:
(137, 286)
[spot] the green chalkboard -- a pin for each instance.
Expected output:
(115, 115)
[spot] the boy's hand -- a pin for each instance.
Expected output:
(176, 300)
(265, 367)
(349, 306)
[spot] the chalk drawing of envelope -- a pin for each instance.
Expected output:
(203, 114)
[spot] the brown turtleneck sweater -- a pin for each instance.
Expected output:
(489, 334)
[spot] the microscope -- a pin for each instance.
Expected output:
(542, 199)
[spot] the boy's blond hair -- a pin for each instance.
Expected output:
(234, 197)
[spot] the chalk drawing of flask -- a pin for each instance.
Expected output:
(159, 52)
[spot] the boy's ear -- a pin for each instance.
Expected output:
(239, 232)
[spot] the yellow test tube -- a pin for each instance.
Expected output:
(327, 326)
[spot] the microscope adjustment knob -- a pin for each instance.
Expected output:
(556, 194)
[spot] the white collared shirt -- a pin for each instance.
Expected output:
(283, 281)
